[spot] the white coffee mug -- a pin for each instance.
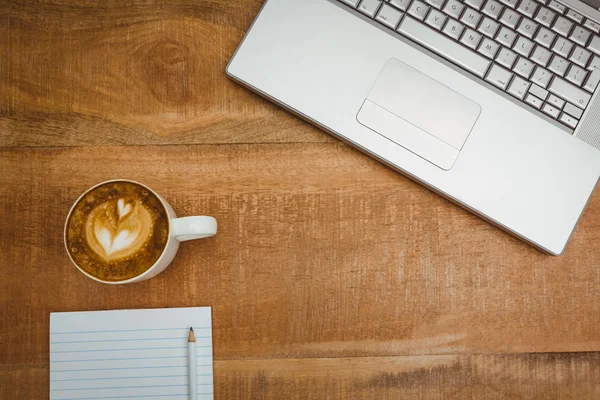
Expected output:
(180, 230)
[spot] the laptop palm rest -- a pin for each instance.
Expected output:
(418, 113)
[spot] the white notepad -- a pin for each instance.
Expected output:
(129, 354)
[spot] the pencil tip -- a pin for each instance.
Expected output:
(191, 329)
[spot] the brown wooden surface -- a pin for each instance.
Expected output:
(76, 73)
(331, 276)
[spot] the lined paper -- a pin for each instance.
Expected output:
(129, 354)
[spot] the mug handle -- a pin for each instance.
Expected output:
(189, 228)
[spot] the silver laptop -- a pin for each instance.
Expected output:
(490, 103)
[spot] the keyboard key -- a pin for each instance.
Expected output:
(519, 87)
(506, 36)
(499, 77)
(418, 10)
(538, 92)
(556, 101)
(580, 35)
(570, 92)
(592, 25)
(562, 26)
(476, 4)
(563, 47)
(351, 3)
(556, 6)
(369, 7)
(489, 27)
(559, 65)
(527, 28)
(568, 120)
(471, 18)
(445, 47)
(389, 16)
(506, 58)
(533, 101)
(545, 37)
(576, 75)
(454, 29)
(436, 3)
(401, 5)
(574, 111)
(489, 48)
(510, 18)
(510, 3)
(492, 9)
(595, 45)
(523, 46)
(541, 56)
(592, 83)
(471, 39)
(454, 8)
(575, 16)
(551, 110)
(595, 63)
(580, 56)
(541, 77)
(436, 19)
(545, 17)
(524, 67)
(528, 8)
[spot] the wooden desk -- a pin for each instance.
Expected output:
(331, 276)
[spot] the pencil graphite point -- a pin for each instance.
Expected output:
(191, 337)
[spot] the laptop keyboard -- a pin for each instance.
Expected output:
(538, 51)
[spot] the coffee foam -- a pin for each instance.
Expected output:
(117, 231)
(118, 228)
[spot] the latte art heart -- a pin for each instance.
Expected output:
(110, 245)
(118, 228)
(124, 209)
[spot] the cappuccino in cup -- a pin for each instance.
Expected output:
(122, 231)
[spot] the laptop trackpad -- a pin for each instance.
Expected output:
(419, 113)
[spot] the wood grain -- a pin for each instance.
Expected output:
(114, 73)
(514, 376)
(322, 253)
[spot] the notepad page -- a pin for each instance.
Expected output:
(129, 354)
